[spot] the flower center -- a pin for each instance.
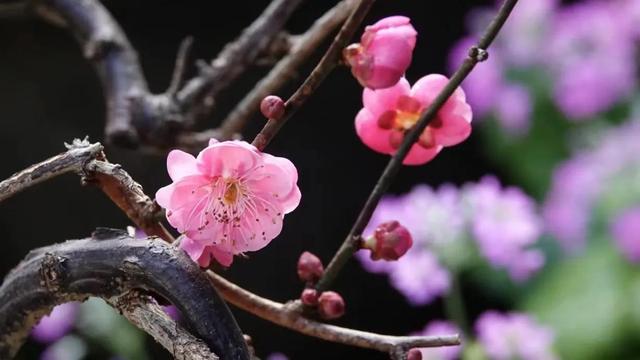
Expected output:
(231, 192)
(405, 120)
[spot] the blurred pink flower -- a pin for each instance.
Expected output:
(626, 233)
(514, 108)
(514, 336)
(230, 199)
(591, 56)
(384, 52)
(389, 113)
(505, 223)
(439, 328)
(57, 324)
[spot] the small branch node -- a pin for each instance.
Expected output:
(52, 271)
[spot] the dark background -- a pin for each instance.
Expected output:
(49, 94)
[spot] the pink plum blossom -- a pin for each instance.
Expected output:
(389, 113)
(229, 200)
(384, 52)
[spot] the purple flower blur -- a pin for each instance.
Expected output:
(626, 233)
(581, 181)
(57, 324)
(514, 336)
(439, 328)
(417, 275)
(591, 55)
(504, 224)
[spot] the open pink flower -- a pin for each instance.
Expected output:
(384, 52)
(389, 113)
(229, 200)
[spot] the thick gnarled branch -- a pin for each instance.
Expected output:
(143, 311)
(111, 264)
(134, 115)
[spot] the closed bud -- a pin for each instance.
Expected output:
(272, 107)
(309, 267)
(330, 305)
(414, 354)
(384, 52)
(389, 242)
(309, 297)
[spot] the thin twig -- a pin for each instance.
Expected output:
(109, 264)
(327, 63)
(288, 315)
(304, 46)
(476, 54)
(90, 163)
(180, 68)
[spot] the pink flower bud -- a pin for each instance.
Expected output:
(389, 242)
(330, 305)
(309, 297)
(414, 354)
(384, 52)
(309, 267)
(272, 107)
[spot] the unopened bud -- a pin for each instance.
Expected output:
(272, 107)
(389, 241)
(309, 297)
(414, 354)
(309, 267)
(330, 305)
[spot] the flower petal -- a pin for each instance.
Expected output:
(193, 248)
(381, 100)
(227, 159)
(454, 130)
(181, 164)
(419, 155)
(371, 134)
(277, 177)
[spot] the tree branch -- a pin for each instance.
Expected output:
(89, 161)
(134, 115)
(109, 264)
(304, 46)
(143, 311)
(289, 316)
(476, 54)
(327, 63)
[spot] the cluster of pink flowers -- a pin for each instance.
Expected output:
(391, 106)
(229, 200)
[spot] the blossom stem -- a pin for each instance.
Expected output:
(326, 64)
(289, 315)
(284, 71)
(89, 161)
(476, 54)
